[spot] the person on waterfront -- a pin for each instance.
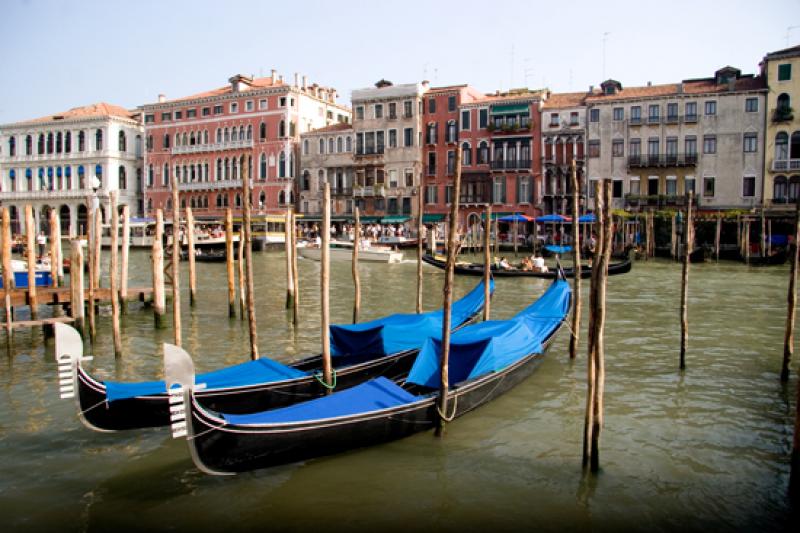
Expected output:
(41, 241)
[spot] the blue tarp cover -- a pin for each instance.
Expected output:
(249, 373)
(779, 240)
(396, 333)
(492, 346)
(558, 249)
(373, 395)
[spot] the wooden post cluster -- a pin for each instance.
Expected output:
(159, 296)
(248, 259)
(229, 262)
(325, 264)
(788, 339)
(126, 247)
(444, 381)
(576, 266)
(176, 262)
(354, 266)
(420, 229)
(8, 272)
(687, 250)
(597, 312)
(30, 229)
(112, 274)
(190, 256)
(487, 263)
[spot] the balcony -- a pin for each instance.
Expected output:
(672, 119)
(69, 158)
(70, 194)
(782, 165)
(369, 190)
(689, 119)
(511, 164)
(215, 147)
(657, 200)
(635, 121)
(342, 191)
(654, 120)
(370, 152)
(662, 160)
(783, 114)
(212, 185)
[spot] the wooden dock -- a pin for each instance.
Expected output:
(61, 295)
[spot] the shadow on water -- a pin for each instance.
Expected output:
(703, 449)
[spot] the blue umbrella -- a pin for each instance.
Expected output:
(589, 217)
(516, 218)
(552, 218)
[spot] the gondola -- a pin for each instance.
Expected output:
(486, 360)
(476, 269)
(779, 257)
(206, 256)
(385, 346)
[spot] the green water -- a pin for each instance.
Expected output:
(703, 450)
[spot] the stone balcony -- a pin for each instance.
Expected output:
(70, 194)
(212, 185)
(68, 158)
(215, 147)
(782, 165)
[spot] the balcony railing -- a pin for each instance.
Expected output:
(511, 164)
(369, 190)
(671, 119)
(662, 160)
(782, 115)
(66, 157)
(70, 194)
(475, 198)
(635, 121)
(342, 191)
(657, 200)
(690, 118)
(201, 148)
(365, 152)
(654, 120)
(212, 185)
(779, 165)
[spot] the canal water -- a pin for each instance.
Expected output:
(704, 449)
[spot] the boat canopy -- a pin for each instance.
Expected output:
(249, 373)
(494, 345)
(400, 332)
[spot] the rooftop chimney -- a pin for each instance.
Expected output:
(273, 75)
(296, 79)
(649, 83)
(591, 89)
(305, 82)
(162, 98)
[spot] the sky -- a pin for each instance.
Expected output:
(59, 54)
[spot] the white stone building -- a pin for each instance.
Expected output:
(61, 160)
(659, 142)
(327, 155)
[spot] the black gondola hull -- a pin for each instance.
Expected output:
(474, 269)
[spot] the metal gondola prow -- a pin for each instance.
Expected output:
(69, 354)
(560, 270)
(179, 377)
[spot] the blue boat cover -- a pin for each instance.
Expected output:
(494, 345)
(372, 395)
(249, 373)
(397, 333)
(558, 249)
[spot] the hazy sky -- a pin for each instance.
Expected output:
(63, 54)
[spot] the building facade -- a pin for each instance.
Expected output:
(387, 128)
(658, 142)
(65, 160)
(327, 156)
(209, 140)
(781, 70)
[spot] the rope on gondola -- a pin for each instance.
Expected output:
(319, 377)
(98, 404)
(450, 418)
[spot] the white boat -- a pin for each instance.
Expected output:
(342, 250)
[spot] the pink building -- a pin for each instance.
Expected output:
(208, 139)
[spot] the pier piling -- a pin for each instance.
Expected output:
(356, 278)
(112, 274)
(30, 229)
(788, 339)
(126, 245)
(55, 258)
(229, 263)
(688, 242)
(295, 275)
(76, 285)
(420, 226)
(8, 272)
(325, 266)
(576, 265)
(289, 254)
(190, 256)
(247, 202)
(159, 296)
(487, 263)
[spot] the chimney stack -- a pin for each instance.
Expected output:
(649, 83)
(162, 98)
(274, 75)
(296, 79)
(305, 82)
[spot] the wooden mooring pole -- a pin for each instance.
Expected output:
(98, 247)
(229, 262)
(356, 277)
(788, 339)
(176, 261)
(126, 248)
(8, 271)
(76, 285)
(90, 262)
(718, 235)
(112, 274)
(576, 265)
(420, 229)
(444, 382)
(688, 241)
(240, 273)
(30, 229)
(55, 239)
(247, 202)
(295, 274)
(190, 256)
(487, 263)
(159, 296)
(325, 267)
(289, 253)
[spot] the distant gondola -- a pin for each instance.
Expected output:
(476, 269)
(779, 257)
(486, 360)
(206, 256)
(383, 347)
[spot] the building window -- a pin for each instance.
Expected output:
(524, 190)
(248, 106)
(750, 142)
(348, 144)
(430, 194)
(616, 189)
(553, 120)
(360, 112)
(573, 118)
(451, 131)
(619, 114)
(653, 113)
(499, 190)
(594, 115)
(465, 123)
(690, 145)
(217, 109)
(408, 109)
(451, 103)
(710, 144)
(431, 163)
(635, 190)
(166, 117)
(672, 112)
(636, 114)
(708, 186)
(483, 118)
(617, 148)
(149, 119)
(748, 187)
(431, 105)
(378, 111)
(466, 154)
(178, 115)
(234, 107)
(408, 137)
(483, 153)
(653, 147)
(688, 185)
(751, 105)
(451, 162)
(785, 72)
(392, 138)
(711, 107)
(594, 149)
(98, 140)
(263, 167)
(206, 111)
(123, 142)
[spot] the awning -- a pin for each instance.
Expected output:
(509, 109)
(369, 219)
(431, 218)
(495, 216)
(395, 219)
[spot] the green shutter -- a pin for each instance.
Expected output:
(785, 72)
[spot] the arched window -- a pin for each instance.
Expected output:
(50, 181)
(165, 177)
(50, 143)
(218, 173)
(291, 164)
(305, 147)
(59, 181)
(282, 198)
(451, 131)
(794, 146)
(466, 154)
(330, 145)
(262, 200)
(322, 146)
(150, 174)
(219, 139)
(12, 179)
(178, 176)
(263, 167)
(348, 143)
(306, 180)
(12, 146)
(784, 104)
(241, 133)
(123, 142)
(282, 129)
(282, 165)
(205, 171)
(227, 169)
(262, 131)
(339, 145)
(123, 178)
(249, 132)
(81, 141)
(98, 171)
(794, 188)
(238, 200)
(483, 153)
(166, 140)
(81, 177)
(185, 139)
(28, 145)
(59, 142)
(40, 147)
(321, 180)
(192, 139)
(67, 142)
(227, 135)
(183, 203)
(169, 204)
(98, 139)
(68, 174)
(205, 136)
(149, 204)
